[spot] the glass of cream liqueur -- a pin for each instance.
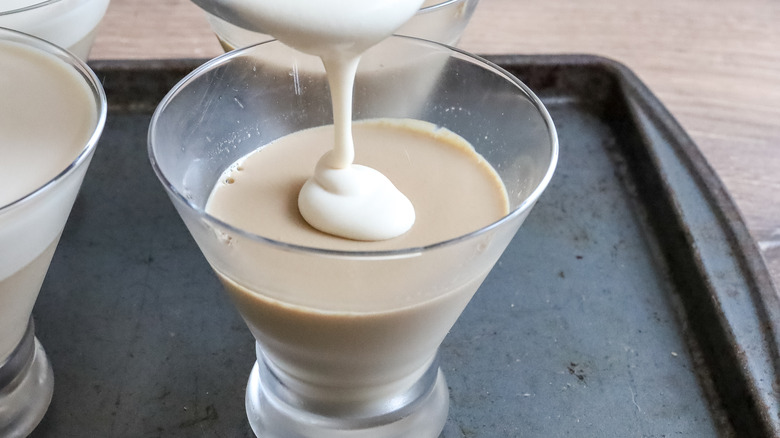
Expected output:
(52, 114)
(347, 331)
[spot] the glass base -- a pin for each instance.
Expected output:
(271, 416)
(26, 387)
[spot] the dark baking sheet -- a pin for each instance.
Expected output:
(632, 303)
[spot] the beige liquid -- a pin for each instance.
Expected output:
(44, 103)
(16, 307)
(347, 330)
(453, 189)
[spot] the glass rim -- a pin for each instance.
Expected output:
(98, 93)
(395, 253)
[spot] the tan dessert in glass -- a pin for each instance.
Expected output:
(52, 115)
(347, 332)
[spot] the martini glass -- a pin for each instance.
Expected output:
(31, 223)
(346, 341)
(70, 24)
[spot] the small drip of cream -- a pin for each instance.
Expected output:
(345, 199)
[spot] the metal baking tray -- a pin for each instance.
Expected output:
(632, 302)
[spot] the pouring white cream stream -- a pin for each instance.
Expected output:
(341, 198)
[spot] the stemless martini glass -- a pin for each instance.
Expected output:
(70, 24)
(62, 123)
(347, 341)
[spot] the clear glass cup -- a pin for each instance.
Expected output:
(31, 221)
(356, 365)
(70, 24)
(437, 20)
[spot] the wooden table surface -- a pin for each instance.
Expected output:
(714, 64)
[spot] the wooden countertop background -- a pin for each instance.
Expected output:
(714, 63)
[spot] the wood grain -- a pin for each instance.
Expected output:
(714, 64)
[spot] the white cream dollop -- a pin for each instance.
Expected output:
(356, 202)
(342, 198)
